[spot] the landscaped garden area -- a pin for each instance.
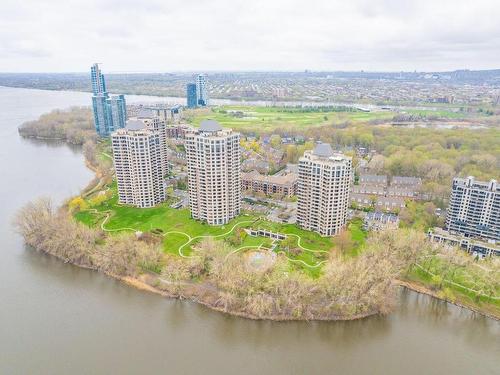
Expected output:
(179, 233)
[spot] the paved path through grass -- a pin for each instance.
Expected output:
(477, 292)
(191, 239)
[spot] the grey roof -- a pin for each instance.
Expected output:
(135, 125)
(210, 126)
(145, 113)
(323, 149)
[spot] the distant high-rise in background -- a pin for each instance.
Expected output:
(117, 111)
(139, 159)
(323, 190)
(197, 93)
(192, 98)
(474, 208)
(110, 112)
(201, 90)
(97, 78)
(214, 175)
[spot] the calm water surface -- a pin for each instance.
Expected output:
(59, 319)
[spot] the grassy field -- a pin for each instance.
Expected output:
(442, 113)
(471, 284)
(177, 228)
(269, 118)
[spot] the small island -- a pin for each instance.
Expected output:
(251, 266)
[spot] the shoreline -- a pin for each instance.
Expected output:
(252, 102)
(195, 295)
(423, 289)
(209, 300)
(413, 286)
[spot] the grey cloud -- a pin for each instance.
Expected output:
(250, 35)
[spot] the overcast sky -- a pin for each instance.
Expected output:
(196, 35)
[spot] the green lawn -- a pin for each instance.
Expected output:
(269, 118)
(358, 237)
(442, 113)
(471, 276)
(163, 219)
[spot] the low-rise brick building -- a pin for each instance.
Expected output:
(284, 184)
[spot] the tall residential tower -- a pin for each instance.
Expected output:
(192, 98)
(138, 159)
(214, 177)
(323, 190)
(97, 78)
(474, 208)
(110, 112)
(201, 90)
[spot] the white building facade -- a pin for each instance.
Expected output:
(214, 174)
(138, 160)
(324, 185)
(474, 208)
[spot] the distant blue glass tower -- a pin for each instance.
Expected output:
(117, 112)
(110, 112)
(98, 82)
(201, 90)
(192, 97)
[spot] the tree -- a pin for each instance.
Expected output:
(343, 241)
(377, 163)
(275, 140)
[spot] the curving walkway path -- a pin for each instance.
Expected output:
(191, 239)
(244, 248)
(478, 292)
(301, 261)
(302, 247)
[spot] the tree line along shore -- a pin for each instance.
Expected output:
(214, 274)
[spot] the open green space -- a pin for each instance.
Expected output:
(177, 228)
(246, 118)
(471, 283)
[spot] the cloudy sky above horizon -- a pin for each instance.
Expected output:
(235, 35)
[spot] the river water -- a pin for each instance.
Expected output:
(59, 319)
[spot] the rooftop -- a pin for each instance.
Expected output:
(323, 150)
(210, 126)
(145, 113)
(135, 125)
(286, 179)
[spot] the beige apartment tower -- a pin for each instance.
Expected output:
(323, 190)
(214, 176)
(139, 161)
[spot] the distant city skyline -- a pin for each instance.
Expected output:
(237, 35)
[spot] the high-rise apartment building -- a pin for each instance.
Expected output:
(138, 164)
(201, 90)
(214, 176)
(101, 114)
(97, 78)
(158, 125)
(197, 93)
(117, 112)
(192, 98)
(110, 112)
(474, 208)
(323, 190)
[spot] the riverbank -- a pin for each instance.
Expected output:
(460, 302)
(214, 279)
(336, 294)
(198, 294)
(411, 285)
